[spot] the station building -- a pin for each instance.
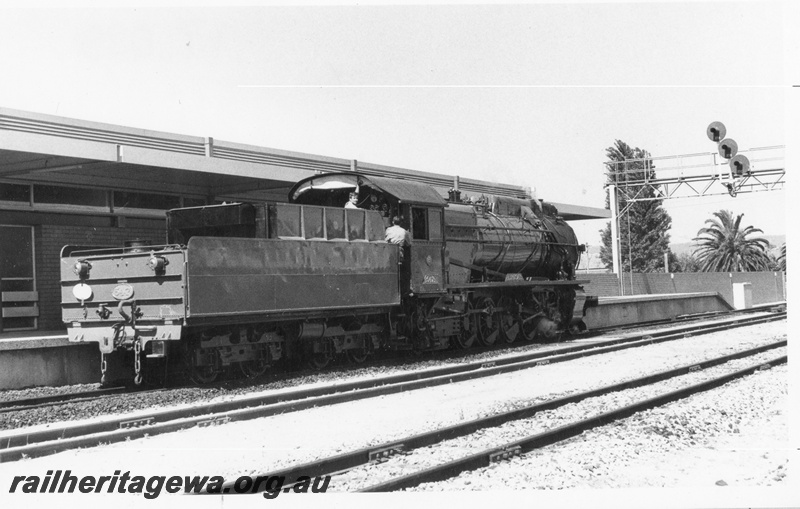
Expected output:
(65, 181)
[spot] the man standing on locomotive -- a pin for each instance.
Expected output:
(396, 234)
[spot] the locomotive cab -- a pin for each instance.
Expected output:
(420, 208)
(427, 264)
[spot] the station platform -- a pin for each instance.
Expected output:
(46, 358)
(618, 311)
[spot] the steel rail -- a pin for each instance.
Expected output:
(539, 440)
(55, 399)
(56, 439)
(346, 461)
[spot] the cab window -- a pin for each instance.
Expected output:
(288, 219)
(419, 223)
(355, 224)
(435, 224)
(312, 222)
(334, 220)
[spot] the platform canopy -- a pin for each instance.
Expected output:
(48, 149)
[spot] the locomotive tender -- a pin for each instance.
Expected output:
(247, 285)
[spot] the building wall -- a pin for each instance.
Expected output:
(53, 238)
(766, 286)
(53, 231)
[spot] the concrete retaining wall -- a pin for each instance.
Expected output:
(766, 286)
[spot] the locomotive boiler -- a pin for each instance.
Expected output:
(247, 286)
(506, 237)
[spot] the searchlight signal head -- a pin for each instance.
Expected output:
(739, 165)
(716, 131)
(728, 148)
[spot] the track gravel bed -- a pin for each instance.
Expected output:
(256, 446)
(39, 392)
(735, 435)
(449, 450)
(132, 402)
(434, 408)
(137, 403)
(398, 363)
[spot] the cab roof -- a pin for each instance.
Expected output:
(405, 191)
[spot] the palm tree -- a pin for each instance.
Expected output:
(782, 258)
(725, 247)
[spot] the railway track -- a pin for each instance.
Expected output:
(55, 399)
(395, 454)
(21, 444)
(24, 404)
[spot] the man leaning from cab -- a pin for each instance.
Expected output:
(352, 203)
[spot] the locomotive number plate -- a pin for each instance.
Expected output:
(122, 292)
(430, 280)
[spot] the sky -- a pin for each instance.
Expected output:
(529, 94)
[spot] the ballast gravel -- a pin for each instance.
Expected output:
(734, 435)
(133, 404)
(186, 396)
(258, 446)
(40, 392)
(467, 445)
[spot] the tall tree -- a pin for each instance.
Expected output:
(644, 225)
(685, 262)
(782, 258)
(724, 246)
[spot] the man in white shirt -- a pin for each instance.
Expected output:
(351, 204)
(396, 234)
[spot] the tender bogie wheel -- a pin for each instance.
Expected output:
(319, 360)
(509, 325)
(361, 354)
(253, 368)
(199, 373)
(357, 355)
(202, 374)
(486, 321)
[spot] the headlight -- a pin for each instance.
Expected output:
(158, 264)
(82, 268)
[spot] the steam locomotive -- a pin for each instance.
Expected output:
(245, 286)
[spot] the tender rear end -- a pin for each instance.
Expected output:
(131, 302)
